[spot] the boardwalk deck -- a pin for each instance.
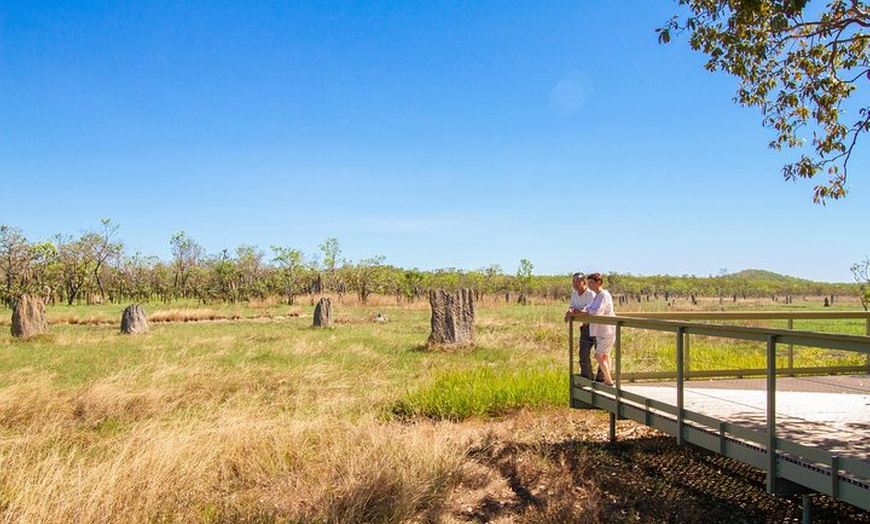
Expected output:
(822, 425)
(830, 413)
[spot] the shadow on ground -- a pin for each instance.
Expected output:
(645, 477)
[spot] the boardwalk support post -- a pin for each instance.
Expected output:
(618, 361)
(807, 507)
(616, 372)
(680, 383)
(771, 414)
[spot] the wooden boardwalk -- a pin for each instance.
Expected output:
(830, 413)
(807, 428)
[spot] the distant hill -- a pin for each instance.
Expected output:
(764, 275)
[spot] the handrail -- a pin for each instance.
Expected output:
(859, 343)
(747, 315)
(790, 316)
(755, 315)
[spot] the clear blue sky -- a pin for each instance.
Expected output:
(437, 134)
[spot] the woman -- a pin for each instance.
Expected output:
(604, 334)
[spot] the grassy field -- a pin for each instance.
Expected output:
(248, 414)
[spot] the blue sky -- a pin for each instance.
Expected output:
(437, 134)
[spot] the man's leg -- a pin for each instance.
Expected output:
(586, 343)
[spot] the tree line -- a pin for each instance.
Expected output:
(95, 267)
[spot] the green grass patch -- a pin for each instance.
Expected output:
(484, 392)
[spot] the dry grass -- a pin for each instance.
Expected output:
(195, 426)
(190, 315)
(274, 421)
(260, 310)
(242, 463)
(264, 303)
(233, 464)
(207, 450)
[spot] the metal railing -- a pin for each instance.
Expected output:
(790, 467)
(731, 316)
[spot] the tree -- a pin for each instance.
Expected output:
(290, 268)
(105, 249)
(161, 281)
(524, 279)
(248, 260)
(861, 272)
(366, 277)
(474, 280)
(45, 270)
(77, 259)
(14, 262)
(134, 272)
(494, 278)
(224, 275)
(411, 284)
(798, 68)
(331, 250)
(187, 254)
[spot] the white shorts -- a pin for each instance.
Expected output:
(603, 345)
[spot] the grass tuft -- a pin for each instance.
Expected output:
(484, 392)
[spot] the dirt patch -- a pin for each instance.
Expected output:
(554, 468)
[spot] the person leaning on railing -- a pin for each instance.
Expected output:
(604, 334)
(582, 296)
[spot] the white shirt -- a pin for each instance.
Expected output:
(578, 301)
(602, 304)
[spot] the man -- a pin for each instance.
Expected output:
(604, 334)
(581, 297)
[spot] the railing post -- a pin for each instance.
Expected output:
(618, 364)
(571, 362)
(687, 356)
(680, 379)
(571, 346)
(771, 414)
(791, 350)
(616, 381)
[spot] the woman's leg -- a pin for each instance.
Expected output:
(602, 355)
(604, 364)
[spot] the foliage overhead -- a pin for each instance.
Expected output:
(799, 64)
